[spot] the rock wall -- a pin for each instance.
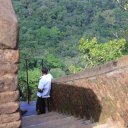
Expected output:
(106, 88)
(9, 57)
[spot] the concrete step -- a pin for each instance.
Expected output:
(52, 123)
(53, 120)
(109, 125)
(76, 124)
(38, 116)
(38, 119)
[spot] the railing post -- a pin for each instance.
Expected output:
(42, 63)
(26, 60)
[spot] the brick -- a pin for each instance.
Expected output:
(9, 56)
(100, 92)
(8, 96)
(9, 108)
(16, 124)
(9, 117)
(8, 25)
(8, 82)
(123, 61)
(6, 68)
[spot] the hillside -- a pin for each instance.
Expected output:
(50, 31)
(56, 26)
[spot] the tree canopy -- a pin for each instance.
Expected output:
(98, 53)
(69, 35)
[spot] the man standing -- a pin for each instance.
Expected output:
(43, 93)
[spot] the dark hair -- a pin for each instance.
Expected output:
(45, 70)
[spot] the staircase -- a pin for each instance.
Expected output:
(57, 120)
(54, 120)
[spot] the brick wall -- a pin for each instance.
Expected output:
(9, 57)
(99, 94)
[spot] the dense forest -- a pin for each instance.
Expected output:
(69, 35)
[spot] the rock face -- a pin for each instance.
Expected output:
(8, 25)
(99, 94)
(9, 58)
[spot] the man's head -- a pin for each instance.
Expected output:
(44, 71)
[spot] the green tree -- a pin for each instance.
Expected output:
(57, 72)
(52, 61)
(123, 4)
(33, 79)
(98, 53)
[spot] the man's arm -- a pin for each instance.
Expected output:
(40, 90)
(41, 86)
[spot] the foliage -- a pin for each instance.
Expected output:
(58, 24)
(57, 72)
(50, 32)
(53, 62)
(74, 66)
(98, 53)
(33, 79)
(123, 4)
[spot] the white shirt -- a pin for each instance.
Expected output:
(45, 85)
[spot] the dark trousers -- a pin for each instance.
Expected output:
(41, 105)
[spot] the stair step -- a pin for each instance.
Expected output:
(76, 124)
(67, 122)
(49, 123)
(39, 119)
(38, 116)
(47, 115)
(109, 125)
(54, 120)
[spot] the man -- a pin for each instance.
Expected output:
(43, 93)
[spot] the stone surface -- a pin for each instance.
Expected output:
(16, 124)
(98, 70)
(9, 56)
(99, 94)
(9, 108)
(7, 68)
(9, 118)
(9, 96)
(29, 107)
(8, 82)
(123, 61)
(8, 25)
(53, 120)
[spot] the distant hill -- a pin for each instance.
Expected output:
(50, 31)
(55, 26)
